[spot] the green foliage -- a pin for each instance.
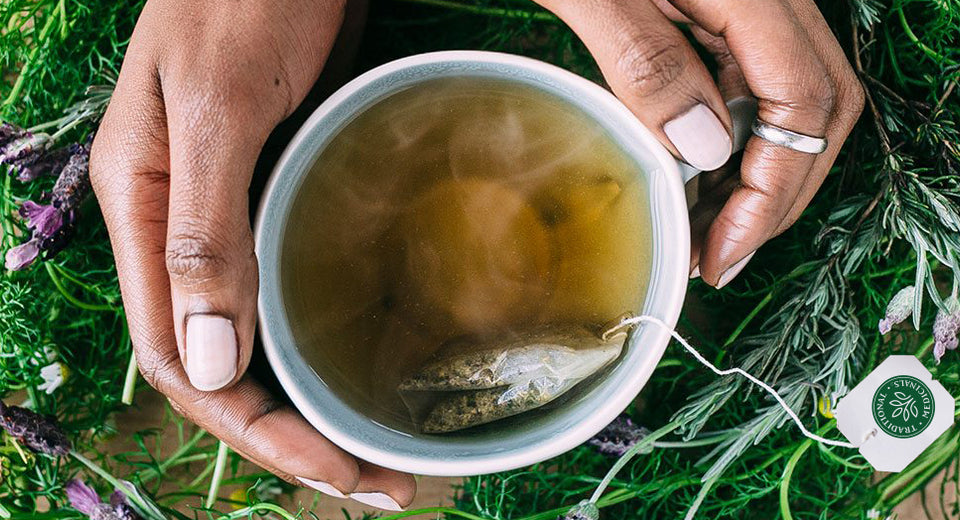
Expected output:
(805, 310)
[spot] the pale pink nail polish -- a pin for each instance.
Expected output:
(211, 351)
(378, 500)
(700, 137)
(322, 487)
(733, 271)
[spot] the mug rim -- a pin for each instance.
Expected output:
(273, 210)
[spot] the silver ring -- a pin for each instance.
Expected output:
(788, 138)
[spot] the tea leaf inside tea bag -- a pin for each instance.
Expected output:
(461, 410)
(480, 380)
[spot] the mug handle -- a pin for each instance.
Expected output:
(743, 112)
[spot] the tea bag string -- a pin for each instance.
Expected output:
(636, 320)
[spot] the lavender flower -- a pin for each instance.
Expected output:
(43, 219)
(585, 510)
(899, 309)
(23, 255)
(48, 163)
(52, 224)
(121, 506)
(25, 152)
(85, 499)
(946, 327)
(618, 437)
(40, 433)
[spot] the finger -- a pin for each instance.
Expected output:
(847, 109)
(374, 479)
(209, 250)
(709, 190)
(716, 189)
(794, 91)
(713, 187)
(653, 69)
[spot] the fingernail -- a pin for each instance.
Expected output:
(733, 271)
(211, 351)
(322, 487)
(700, 138)
(695, 273)
(378, 500)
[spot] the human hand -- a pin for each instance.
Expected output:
(780, 51)
(202, 85)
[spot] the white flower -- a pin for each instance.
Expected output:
(53, 376)
(873, 514)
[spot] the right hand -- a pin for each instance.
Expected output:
(781, 52)
(202, 85)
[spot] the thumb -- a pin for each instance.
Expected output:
(209, 244)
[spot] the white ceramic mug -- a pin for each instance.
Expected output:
(537, 437)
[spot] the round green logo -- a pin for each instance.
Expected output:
(903, 407)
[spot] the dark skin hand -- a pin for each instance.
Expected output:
(205, 82)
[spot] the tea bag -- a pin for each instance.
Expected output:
(477, 380)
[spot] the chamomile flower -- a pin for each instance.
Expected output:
(53, 376)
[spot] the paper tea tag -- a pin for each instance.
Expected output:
(895, 413)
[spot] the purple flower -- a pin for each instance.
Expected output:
(25, 152)
(73, 184)
(52, 225)
(946, 327)
(48, 163)
(85, 499)
(82, 497)
(22, 256)
(40, 433)
(121, 504)
(585, 510)
(618, 437)
(899, 309)
(9, 132)
(43, 219)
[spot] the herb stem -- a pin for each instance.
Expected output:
(130, 380)
(8, 232)
(701, 496)
(787, 474)
(924, 348)
(116, 483)
(219, 466)
(55, 278)
(436, 511)
(633, 451)
(67, 127)
(174, 457)
(206, 470)
(248, 512)
(695, 443)
(746, 320)
(936, 56)
(65, 273)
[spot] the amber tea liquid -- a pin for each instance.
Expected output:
(458, 206)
